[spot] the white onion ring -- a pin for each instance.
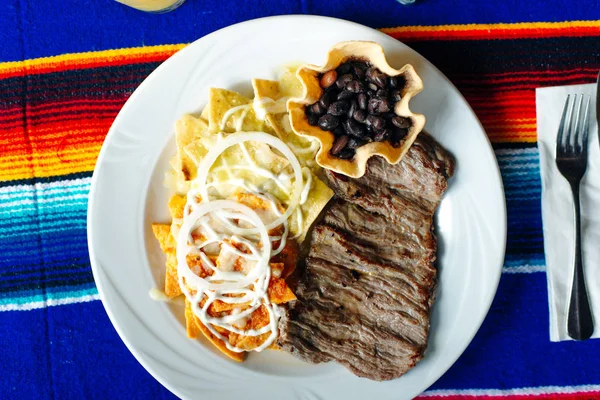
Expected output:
(242, 137)
(189, 221)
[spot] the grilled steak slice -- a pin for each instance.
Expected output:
(368, 284)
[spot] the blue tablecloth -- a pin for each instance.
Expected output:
(57, 341)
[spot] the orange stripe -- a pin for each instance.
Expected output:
(525, 30)
(88, 60)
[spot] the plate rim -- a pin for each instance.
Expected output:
(497, 271)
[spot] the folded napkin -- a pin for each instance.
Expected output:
(557, 210)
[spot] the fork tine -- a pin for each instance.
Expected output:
(563, 126)
(583, 132)
(573, 124)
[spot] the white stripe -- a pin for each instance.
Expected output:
(529, 150)
(524, 269)
(521, 166)
(517, 157)
(39, 200)
(530, 391)
(45, 186)
(49, 303)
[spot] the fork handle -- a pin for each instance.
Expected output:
(580, 325)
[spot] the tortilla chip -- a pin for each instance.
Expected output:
(162, 232)
(177, 205)
(172, 288)
(239, 357)
(259, 318)
(220, 101)
(204, 113)
(196, 151)
(317, 199)
(288, 257)
(192, 328)
(268, 91)
(188, 129)
(279, 292)
(197, 266)
(167, 245)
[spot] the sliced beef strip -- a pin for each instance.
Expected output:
(368, 283)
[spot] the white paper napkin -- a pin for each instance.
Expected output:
(557, 210)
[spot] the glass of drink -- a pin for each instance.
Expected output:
(154, 6)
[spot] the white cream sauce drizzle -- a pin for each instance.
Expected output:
(267, 105)
(221, 222)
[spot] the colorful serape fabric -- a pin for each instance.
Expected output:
(54, 114)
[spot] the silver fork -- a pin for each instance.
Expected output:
(571, 160)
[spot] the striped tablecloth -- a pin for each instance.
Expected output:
(60, 89)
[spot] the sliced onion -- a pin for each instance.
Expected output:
(242, 137)
(189, 221)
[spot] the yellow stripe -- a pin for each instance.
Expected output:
(494, 27)
(83, 58)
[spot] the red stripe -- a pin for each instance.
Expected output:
(546, 396)
(494, 33)
(34, 115)
(82, 120)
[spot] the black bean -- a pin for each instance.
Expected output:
(370, 73)
(346, 154)
(376, 122)
(382, 94)
(313, 119)
(378, 106)
(353, 108)
(360, 115)
(338, 108)
(354, 128)
(396, 96)
(343, 80)
(344, 68)
(354, 143)
(355, 87)
(318, 109)
(381, 135)
(345, 95)
(339, 131)
(327, 98)
(400, 82)
(362, 101)
(375, 106)
(401, 122)
(359, 72)
(380, 80)
(394, 82)
(384, 106)
(339, 144)
(328, 122)
(388, 115)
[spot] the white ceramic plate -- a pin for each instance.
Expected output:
(127, 195)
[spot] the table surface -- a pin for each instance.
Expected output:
(55, 112)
